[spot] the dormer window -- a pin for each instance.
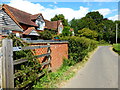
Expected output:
(40, 22)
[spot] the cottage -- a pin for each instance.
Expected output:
(24, 24)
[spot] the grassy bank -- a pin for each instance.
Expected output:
(116, 48)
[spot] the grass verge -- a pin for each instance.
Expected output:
(60, 77)
(116, 48)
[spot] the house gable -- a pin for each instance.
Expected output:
(7, 23)
(30, 31)
(33, 32)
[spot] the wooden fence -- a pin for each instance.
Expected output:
(7, 62)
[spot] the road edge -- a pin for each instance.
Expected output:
(113, 52)
(79, 66)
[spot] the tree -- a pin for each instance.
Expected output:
(74, 25)
(66, 31)
(60, 17)
(109, 31)
(78, 24)
(86, 23)
(86, 32)
(96, 16)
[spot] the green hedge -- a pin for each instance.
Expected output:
(79, 48)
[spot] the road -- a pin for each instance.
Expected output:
(101, 71)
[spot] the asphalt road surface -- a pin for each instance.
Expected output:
(101, 71)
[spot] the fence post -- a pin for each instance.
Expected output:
(49, 57)
(7, 64)
(0, 65)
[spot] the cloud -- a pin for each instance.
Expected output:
(26, 6)
(113, 18)
(55, 3)
(104, 12)
(48, 13)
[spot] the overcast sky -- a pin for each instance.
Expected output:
(70, 9)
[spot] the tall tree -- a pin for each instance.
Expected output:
(74, 24)
(96, 16)
(60, 17)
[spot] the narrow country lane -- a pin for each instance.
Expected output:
(101, 71)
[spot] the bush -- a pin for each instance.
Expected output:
(79, 47)
(46, 35)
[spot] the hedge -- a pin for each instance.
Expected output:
(79, 48)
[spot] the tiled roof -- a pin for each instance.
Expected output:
(52, 24)
(28, 19)
(29, 30)
(21, 16)
(33, 17)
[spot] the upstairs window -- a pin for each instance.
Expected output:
(40, 22)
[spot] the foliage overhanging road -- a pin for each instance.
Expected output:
(101, 71)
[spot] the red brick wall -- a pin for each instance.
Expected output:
(59, 51)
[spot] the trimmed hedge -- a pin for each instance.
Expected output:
(79, 48)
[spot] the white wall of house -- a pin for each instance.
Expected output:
(60, 28)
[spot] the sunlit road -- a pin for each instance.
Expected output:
(101, 71)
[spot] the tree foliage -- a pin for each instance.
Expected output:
(86, 32)
(60, 17)
(96, 16)
(66, 31)
(96, 22)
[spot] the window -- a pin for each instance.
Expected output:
(40, 22)
(60, 29)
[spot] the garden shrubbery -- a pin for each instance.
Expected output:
(46, 35)
(79, 48)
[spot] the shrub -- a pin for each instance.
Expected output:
(46, 35)
(79, 47)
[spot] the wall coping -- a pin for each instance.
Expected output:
(45, 41)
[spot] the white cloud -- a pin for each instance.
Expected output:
(113, 18)
(104, 12)
(55, 3)
(48, 13)
(26, 6)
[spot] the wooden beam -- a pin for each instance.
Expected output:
(7, 64)
(19, 61)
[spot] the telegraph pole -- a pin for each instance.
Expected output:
(116, 32)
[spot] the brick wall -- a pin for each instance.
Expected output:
(59, 51)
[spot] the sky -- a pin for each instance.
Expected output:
(69, 8)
